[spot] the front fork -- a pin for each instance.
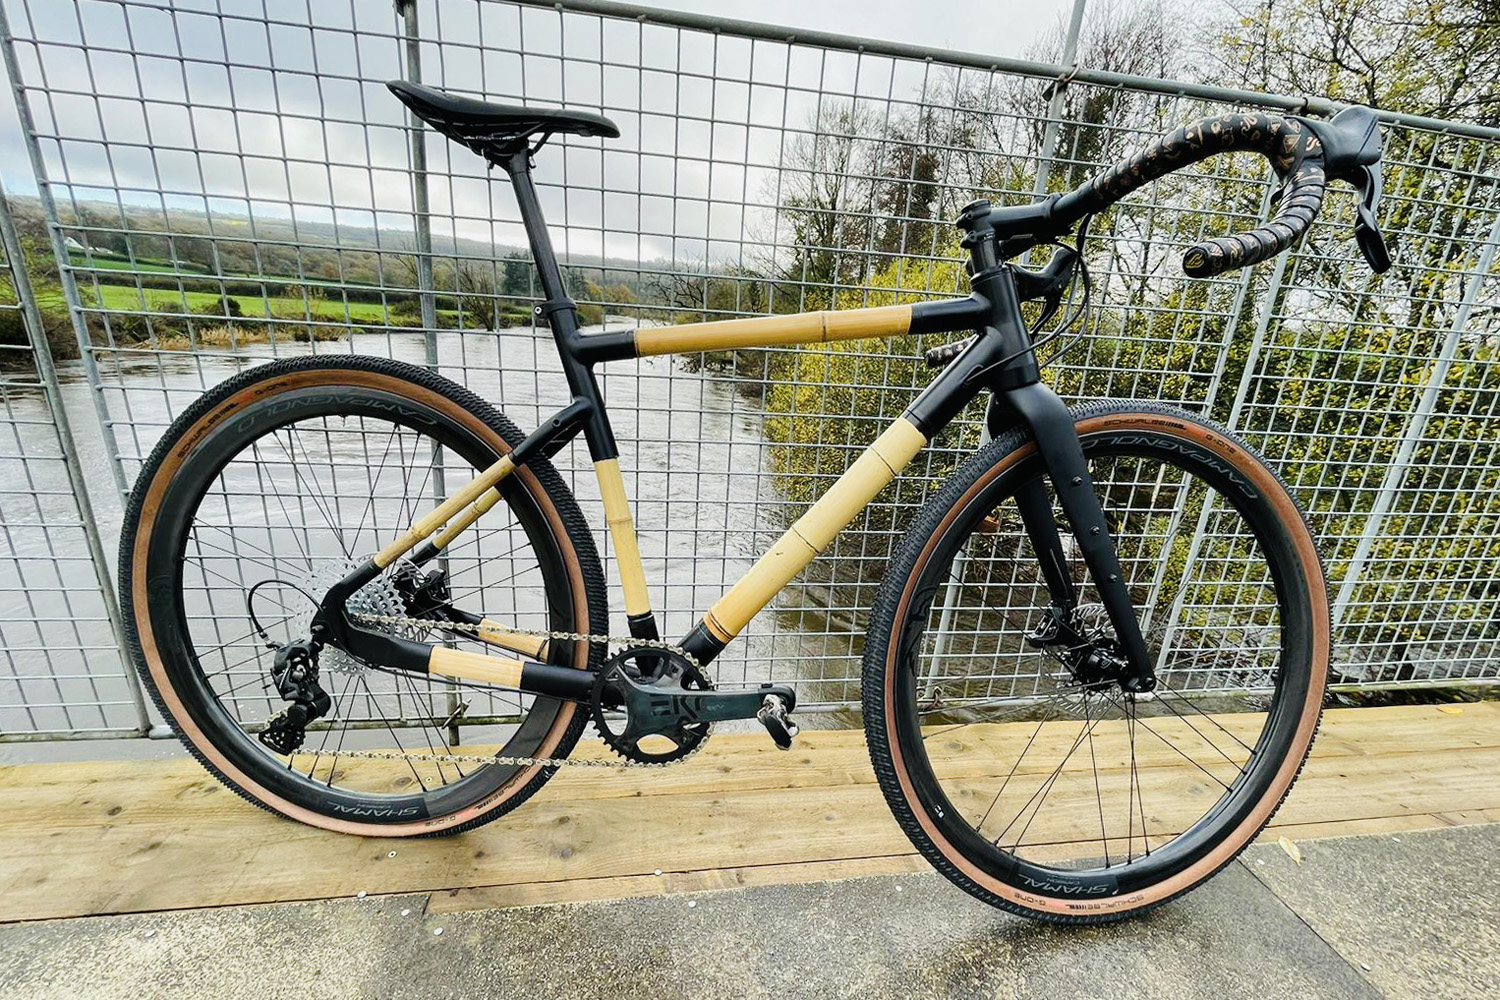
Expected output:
(1052, 427)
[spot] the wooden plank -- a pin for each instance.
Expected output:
(135, 836)
(742, 762)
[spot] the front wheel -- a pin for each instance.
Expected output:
(1023, 774)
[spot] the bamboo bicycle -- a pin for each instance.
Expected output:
(1130, 580)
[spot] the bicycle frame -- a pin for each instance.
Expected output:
(999, 359)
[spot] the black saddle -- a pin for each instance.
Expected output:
(495, 131)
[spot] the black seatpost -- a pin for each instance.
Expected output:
(518, 166)
(560, 311)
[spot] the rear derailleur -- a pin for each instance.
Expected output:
(294, 670)
(654, 706)
(295, 674)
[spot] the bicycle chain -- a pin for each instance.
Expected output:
(505, 759)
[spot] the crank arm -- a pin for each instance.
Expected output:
(662, 706)
(1051, 424)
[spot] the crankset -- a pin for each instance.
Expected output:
(669, 707)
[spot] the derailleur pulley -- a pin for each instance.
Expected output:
(295, 674)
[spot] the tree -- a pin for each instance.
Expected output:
(1439, 58)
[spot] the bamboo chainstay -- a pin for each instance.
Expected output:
(504, 759)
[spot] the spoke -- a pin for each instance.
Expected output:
(1040, 795)
(432, 464)
(1187, 722)
(337, 714)
(234, 584)
(313, 493)
(375, 479)
(1135, 774)
(1034, 734)
(329, 511)
(375, 704)
(419, 703)
(265, 685)
(1184, 756)
(252, 633)
(1162, 686)
(237, 540)
(259, 652)
(1098, 794)
(490, 584)
(280, 502)
(407, 513)
(238, 558)
(323, 744)
(1130, 785)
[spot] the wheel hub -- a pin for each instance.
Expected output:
(1099, 667)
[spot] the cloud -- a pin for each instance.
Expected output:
(245, 113)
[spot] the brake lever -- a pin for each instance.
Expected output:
(1052, 302)
(1366, 229)
(1047, 284)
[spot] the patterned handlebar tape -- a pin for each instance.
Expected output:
(1294, 152)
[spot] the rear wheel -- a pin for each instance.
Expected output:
(273, 486)
(1024, 773)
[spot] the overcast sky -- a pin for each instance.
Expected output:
(704, 119)
(995, 27)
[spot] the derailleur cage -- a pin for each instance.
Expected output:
(295, 674)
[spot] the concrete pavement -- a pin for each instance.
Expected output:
(1410, 916)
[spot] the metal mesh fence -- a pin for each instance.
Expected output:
(230, 182)
(63, 670)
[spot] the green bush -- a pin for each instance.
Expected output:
(56, 327)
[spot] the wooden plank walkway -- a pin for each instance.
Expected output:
(119, 837)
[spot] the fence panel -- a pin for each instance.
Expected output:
(232, 183)
(65, 674)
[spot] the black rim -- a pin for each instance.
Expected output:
(439, 788)
(1002, 849)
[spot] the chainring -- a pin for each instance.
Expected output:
(664, 668)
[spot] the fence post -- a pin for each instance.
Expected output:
(47, 373)
(422, 228)
(1054, 102)
(1257, 344)
(421, 203)
(1416, 427)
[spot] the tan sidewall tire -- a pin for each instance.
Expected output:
(1244, 462)
(138, 601)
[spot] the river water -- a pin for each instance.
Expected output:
(696, 468)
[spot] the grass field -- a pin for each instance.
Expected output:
(141, 264)
(124, 298)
